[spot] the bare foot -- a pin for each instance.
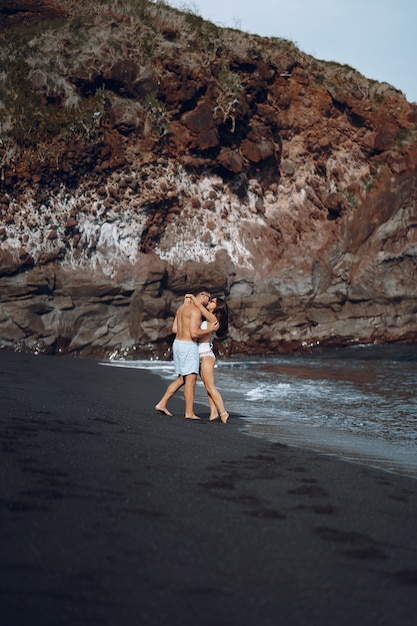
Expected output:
(162, 409)
(213, 418)
(192, 417)
(224, 417)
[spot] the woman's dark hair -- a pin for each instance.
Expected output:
(222, 313)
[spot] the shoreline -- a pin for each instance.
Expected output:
(115, 515)
(359, 449)
(354, 447)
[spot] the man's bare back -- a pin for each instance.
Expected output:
(187, 322)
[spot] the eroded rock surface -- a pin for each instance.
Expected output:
(170, 153)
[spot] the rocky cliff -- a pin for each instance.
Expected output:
(145, 151)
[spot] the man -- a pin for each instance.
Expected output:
(186, 327)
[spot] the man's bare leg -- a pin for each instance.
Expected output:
(171, 390)
(189, 392)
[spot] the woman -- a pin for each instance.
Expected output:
(216, 310)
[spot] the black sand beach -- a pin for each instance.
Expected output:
(112, 514)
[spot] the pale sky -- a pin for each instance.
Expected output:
(376, 37)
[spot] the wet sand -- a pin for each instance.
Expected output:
(113, 514)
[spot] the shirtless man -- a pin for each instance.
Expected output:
(186, 326)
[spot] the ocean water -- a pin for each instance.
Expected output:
(356, 403)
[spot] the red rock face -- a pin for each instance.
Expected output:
(198, 157)
(25, 12)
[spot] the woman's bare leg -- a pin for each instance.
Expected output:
(171, 390)
(207, 376)
(214, 414)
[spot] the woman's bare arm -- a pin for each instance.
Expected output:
(196, 332)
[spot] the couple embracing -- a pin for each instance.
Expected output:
(196, 321)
